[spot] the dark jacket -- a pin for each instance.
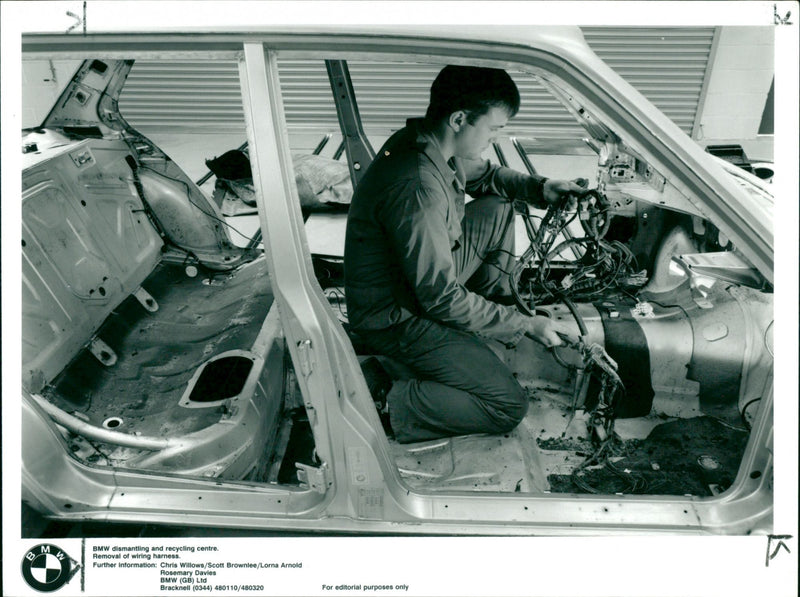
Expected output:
(404, 222)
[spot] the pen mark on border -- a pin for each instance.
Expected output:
(81, 21)
(781, 20)
(780, 543)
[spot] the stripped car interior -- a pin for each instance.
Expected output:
(164, 363)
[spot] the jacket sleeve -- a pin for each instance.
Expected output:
(416, 223)
(483, 177)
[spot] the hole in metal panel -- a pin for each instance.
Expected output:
(99, 67)
(112, 422)
(221, 379)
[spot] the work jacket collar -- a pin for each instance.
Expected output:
(428, 145)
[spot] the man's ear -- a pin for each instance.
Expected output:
(457, 120)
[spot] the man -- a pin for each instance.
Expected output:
(426, 277)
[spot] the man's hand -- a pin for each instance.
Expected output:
(555, 192)
(549, 332)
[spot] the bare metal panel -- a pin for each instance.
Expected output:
(218, 426)
(86, 246)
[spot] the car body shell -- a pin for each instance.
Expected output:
(357, 488)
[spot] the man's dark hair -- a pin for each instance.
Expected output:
(472, 89)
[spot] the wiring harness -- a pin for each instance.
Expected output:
(597, 364)
(600, 421)
(579, 268)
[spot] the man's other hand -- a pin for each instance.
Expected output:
(556, 192)
(549, 332)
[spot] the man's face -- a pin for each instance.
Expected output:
(473, 139)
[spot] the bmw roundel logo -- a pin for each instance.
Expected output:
(47, 568)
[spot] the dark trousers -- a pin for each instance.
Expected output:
(461, 386)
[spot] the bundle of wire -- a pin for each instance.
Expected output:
(603, 266)
(603, 459)
(594, 267)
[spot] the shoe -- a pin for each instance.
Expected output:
(378, 381)
(379, 384)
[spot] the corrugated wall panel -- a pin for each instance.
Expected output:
(183, 93)
(668, 65)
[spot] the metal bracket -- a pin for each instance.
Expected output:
(304, 356)
(146, 300)
(103, 352)
(317, 478)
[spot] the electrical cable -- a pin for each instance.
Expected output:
(726, 424)
(560, 360)
(744, 412)
(579, 471)
(97, 449)
(151, 215)
(578, 319)
(200, 208)
(685, 312)
(337, 298)
(601, 266)
(637, 482)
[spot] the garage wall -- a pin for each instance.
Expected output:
(737, 90)
(42, 83)
(712, 82)
(668, 65)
